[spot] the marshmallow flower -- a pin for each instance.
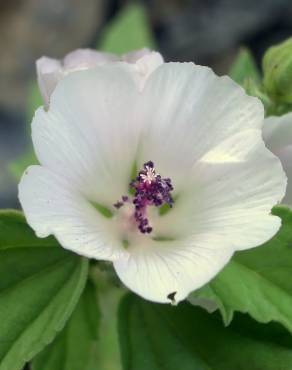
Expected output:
(164, 173)
(50, 71)
(277, 133)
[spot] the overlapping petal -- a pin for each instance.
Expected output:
(50, 71)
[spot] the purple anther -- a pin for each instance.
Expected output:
(150, 190)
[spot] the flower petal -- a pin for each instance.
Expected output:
(285, 156)
(146, 65)
(277, 133)
(167, 272)
(49, 72)
(87, 58)
(135, 55)
(53, 206)
(90, 134)
(238, 198)
(192, 110)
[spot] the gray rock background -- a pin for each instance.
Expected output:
(205, 31)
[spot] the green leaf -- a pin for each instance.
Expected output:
(128, 31)
(110, 294)
(17, 167)
(257, 281)
(75, 346)
(162, 337)
(244, 68)
(40, 286)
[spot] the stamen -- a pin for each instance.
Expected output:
(150, 190)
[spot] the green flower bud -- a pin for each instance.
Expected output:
(277, 68)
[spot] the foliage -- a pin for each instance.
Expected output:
(75, 348)
(159, 337)
(257, 281)
(244, 68)
(40, 286)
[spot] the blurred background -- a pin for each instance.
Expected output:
(207, 32)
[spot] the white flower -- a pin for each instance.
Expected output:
(277, 133)
(50, 71)
(203, 136)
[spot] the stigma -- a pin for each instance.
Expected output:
(150, 190)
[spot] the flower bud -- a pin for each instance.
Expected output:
(277, 68)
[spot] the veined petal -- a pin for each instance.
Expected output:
(238, 198)
(226, 187)
(167, 272)
(192, 111)
(90, 133)
(53, 205)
